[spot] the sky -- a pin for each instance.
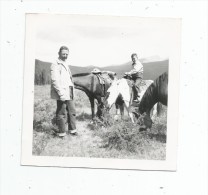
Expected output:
(103, 40)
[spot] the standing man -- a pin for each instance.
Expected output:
(136, 73)
(62, 89)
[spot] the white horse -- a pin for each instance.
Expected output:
(121, 92)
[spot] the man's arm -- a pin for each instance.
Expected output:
(55, 80)
(70, 74)
(137, 68)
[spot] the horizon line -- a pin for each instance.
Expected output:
(143, 61)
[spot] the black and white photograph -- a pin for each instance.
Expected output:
(103, 97)
(101, 91)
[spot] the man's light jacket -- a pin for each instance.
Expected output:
(62, 86)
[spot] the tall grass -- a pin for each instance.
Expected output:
(126, 136)
(106, 138)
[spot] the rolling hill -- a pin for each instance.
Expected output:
(152, 69)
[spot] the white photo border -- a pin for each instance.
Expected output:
(170, 164)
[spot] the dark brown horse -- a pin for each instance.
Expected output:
(90, 84)
(156, 92)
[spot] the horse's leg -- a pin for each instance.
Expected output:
(117, 107)
(131, 117)
(99, 107)
(116, 114)
(122, 110)
(159, 109)
(153, 112)
(127, 106)
(92, 103)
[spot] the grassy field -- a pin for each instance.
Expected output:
(107, 139)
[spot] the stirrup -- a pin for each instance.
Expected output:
(137, 100)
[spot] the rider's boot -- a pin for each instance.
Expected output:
(137, 99)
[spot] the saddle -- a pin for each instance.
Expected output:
(104, 78)
(129, 80)
(131, 83)
(100, 78)
(102, 82)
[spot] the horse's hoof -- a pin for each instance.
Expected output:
(116, 117)
(92, 122)
(142, 128)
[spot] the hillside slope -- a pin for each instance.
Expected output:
(151, 70)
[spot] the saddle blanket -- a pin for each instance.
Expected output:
(130, 82)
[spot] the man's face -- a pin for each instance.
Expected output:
(63, 54)
(134, 59)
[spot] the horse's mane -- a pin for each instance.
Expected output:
(149, 92)
(148, 98)
(81, 74)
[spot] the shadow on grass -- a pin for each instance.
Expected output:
(158, 137)
(83, 116)
(91, 126)
(40, 141)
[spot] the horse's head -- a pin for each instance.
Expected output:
(111, 74)
(111, 95)
(145, 121)
(109, 77)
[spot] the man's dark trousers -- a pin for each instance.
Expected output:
(137, 83)
(65, 112)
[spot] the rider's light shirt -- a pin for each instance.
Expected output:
(137, 68)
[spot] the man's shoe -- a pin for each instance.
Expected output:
(61, 134)
(137, 99)
(73, 132)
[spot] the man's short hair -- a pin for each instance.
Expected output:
(134, 54)
(63, 48)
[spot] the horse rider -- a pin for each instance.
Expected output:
(62, 90)
(136, 74)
